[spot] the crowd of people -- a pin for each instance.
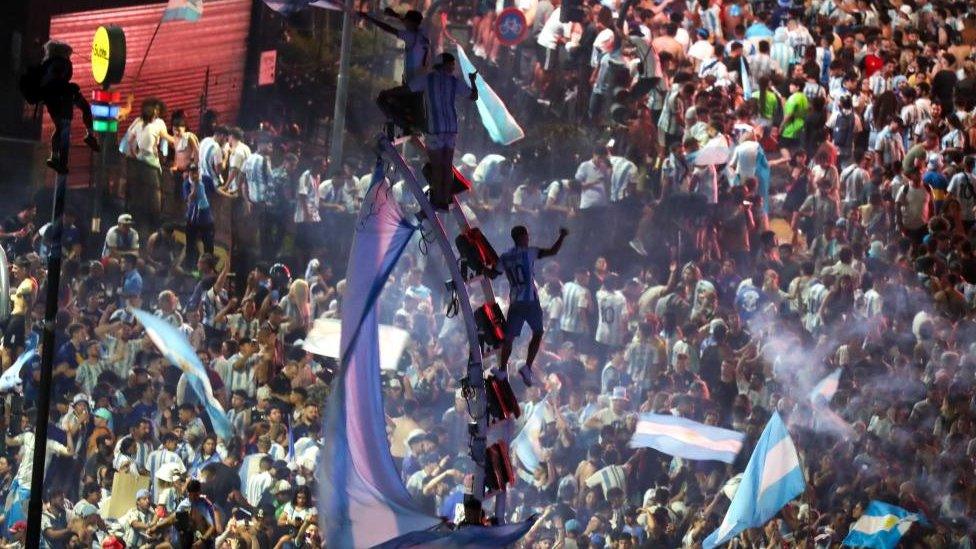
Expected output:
(769, 192)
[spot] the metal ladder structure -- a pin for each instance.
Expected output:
(477, 397)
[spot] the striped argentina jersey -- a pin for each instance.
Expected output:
(519, 265)
(440, 92)
(612, 325)
(211, 158)
(576, 299)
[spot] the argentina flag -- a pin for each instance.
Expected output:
(881, 526)
(500, 124)
(684, 438)
(825, 389)
(175, 347)
(772, 478)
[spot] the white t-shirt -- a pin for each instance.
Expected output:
(744, 158)
(913, 202)
(124, 242)
(26, 456)
(238, 155)
(552, 30)
(148, 137)
(612, 326)
(594, 195)
(308, 189)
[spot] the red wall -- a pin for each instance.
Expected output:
(175, 69)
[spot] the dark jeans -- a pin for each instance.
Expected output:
(196, 233)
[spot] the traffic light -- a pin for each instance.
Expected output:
(105, 111)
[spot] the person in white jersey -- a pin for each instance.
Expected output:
(612, 308)
(524, 307)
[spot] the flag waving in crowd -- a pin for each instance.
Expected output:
(772, 478)
(183, 10)
(177, 350)
(881, 526)
(683, 438)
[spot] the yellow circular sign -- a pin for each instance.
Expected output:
(99, 55)
(108, 55)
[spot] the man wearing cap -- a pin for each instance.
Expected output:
(121, 239)
(617, 411)
(441, 88)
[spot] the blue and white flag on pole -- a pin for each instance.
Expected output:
(881, 526)
(772, 478)
(183, 10)
(525, 446)
(175, 347)
(825, 389)
(11, 380)
(684, 438)
(500, 124)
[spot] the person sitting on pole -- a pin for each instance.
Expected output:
(440, 88)
(415, 41)
(50, 83)
(524, 307)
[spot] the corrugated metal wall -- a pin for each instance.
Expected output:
(175, 69)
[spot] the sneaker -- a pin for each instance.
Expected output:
(525, 372)
(638, 247)
(92, 143)
(57, 166)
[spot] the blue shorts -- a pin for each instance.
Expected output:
(520, 312)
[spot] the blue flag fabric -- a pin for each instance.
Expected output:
(175, 347)
(11, 380)
(500, 124)
(684, 438)
(881, 526)
(772, 478)
(183, 10)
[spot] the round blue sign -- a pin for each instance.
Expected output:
(511, 27)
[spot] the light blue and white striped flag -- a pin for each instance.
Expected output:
(825, 389)
(525, 446)
(175, 347)
(684, 438)
(500, 124)
(881, 526)
(11, 380)
(183, 10)
(772, 478)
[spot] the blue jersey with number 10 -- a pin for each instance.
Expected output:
(519, 265)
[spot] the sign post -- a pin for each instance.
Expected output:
(108, 67)
(268, 68)
(511, 27)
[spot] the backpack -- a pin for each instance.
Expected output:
(843, 132)
(30, 84)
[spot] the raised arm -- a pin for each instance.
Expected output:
(382, 25)
(554, 249)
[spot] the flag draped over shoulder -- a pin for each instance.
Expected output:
(772, 478)
(175, 347)
(500, 124)
(881, 526)
(684, 438)
(183, 10)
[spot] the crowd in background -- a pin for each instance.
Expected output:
(835, 232)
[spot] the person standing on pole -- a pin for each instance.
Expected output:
(441, 88)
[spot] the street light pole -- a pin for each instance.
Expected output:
(342, 89)
(34, 508)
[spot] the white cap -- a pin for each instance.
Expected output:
(470, 160)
